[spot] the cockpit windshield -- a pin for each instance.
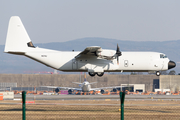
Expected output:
(163, 56)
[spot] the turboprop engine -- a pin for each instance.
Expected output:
(101, 52)
(102, 91)
(57, 90)
(114, 90)
(70, 91)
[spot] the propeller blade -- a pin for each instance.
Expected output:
(118, 60)
(118, 53)
(117, 50)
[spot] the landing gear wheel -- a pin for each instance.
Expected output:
(92, 74)
(158, 73)
(100, 74)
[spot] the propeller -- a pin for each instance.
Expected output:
(118, 53)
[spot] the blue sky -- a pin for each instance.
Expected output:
(64, 20)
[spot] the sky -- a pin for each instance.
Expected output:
(63, 20)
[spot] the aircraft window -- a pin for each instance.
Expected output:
(163, 56)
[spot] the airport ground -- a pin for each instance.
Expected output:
(98, 109)
(98, 97)
(54, 107)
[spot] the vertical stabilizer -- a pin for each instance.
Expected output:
(17, 39)
(84, 76)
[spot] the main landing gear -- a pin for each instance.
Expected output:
(100, 74)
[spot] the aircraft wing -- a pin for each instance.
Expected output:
(49, 86)
(92, 83)
(89, 51)
(77, 83)
(101, 88)
(107, 87)
(96, 51)
(66, 88)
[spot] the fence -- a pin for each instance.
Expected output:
(91, 109)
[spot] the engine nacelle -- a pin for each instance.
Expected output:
(70, 91)
(114, 90)
(102, 91)
(105, 52)
(57, 90)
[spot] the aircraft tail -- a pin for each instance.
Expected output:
(17, 40)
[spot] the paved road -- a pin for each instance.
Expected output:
(92, 97)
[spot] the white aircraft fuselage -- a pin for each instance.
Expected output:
(129, 61)
(94, 59)
(86, 87)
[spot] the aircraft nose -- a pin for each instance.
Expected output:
(171, 64)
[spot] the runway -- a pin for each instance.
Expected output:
(98, 97)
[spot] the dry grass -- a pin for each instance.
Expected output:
(105, 110)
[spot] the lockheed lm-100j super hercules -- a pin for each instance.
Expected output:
(93, 60)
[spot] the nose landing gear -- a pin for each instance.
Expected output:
(158, 73)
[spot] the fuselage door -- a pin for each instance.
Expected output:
(74, 64)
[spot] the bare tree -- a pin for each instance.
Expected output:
(172, 72)
(164, 73)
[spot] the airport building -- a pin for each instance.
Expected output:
(134, 87)
(7, 86)
(2, 85)
(139, 82)
(171, 82)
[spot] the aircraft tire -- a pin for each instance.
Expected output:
(92, 74)
(100, 74)
(158, 73)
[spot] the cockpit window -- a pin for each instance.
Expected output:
(163, 56)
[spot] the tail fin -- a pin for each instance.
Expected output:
(84, 76)
(17, 40)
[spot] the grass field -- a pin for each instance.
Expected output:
(91, 109)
